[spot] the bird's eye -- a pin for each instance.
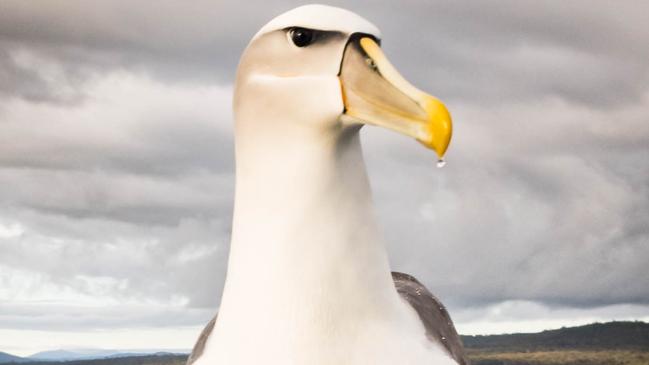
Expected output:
(301, 37)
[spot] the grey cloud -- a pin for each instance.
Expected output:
(199, 42)
(120, 197)
(116, 153)
(155, 263)
(507, 50)
(492, 51)
(70, 319)
(545, 216)
(150, 128)
(24, 83)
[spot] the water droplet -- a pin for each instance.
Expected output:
(440, 163)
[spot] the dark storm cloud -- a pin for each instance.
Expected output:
(503, 50)
(116, 153)
(591, 53)
(200, 41)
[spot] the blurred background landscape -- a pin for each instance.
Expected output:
(613, 343)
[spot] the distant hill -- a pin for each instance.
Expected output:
(596, 336)
(5, 357)
(68, 355)
(91, 354)
(86, 356)
(65, 355)
(161, 358)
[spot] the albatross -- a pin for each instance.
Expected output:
(308, 278)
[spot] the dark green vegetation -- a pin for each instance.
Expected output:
(560, 357)
(596, 336)
(614, 343)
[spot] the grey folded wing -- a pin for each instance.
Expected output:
(433, 314)
(199, 347)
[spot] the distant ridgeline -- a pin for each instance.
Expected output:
(613, 343)
(159, 359)
(597, 336)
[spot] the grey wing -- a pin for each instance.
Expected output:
(431, 311)
(200, 343)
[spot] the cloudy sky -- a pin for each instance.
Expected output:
(116, 164)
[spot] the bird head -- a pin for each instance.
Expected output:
(320, 69)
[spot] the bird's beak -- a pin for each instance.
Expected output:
(375, 93)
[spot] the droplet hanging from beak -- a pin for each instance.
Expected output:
(441, 163)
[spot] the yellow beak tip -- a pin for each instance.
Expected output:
(439, 127)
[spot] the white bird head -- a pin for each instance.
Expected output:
(320, 69)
